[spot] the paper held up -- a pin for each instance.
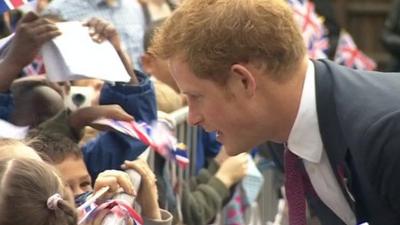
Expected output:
(74, 55)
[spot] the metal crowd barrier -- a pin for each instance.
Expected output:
(267, 200)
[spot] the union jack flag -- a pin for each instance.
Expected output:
(119, 213)
(36, 67)
(7, 5)
(157, 136)
(349, 55)
(88, 209)
(87, 213)
(312, 28)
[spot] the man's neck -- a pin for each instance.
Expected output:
(296, 86)
(284, 96)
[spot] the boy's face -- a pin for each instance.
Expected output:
(75, 174)
(159, 69)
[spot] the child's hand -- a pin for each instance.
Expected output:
(115, 180)
(233, 169)
(222, 156)
(85, 116)
(147, 195)
(31, 33)
(101, 30)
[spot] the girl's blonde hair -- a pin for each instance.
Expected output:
(25, 187)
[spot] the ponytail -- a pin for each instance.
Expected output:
(70, 212)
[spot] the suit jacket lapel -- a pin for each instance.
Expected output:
(332, 137)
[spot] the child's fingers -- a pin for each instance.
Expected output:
(115, 179)
(105, 181)
(138, 165)
(142, 168)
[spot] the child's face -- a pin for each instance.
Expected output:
(75, 174)
(159, 69)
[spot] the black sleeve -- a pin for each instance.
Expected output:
(391, 31)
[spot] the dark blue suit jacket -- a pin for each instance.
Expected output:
(359, 120)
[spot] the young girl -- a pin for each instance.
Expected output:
(32, 192)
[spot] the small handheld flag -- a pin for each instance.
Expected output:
(7, 5)
(312, 28)
(157, 136)
(87, 209)
(348, 54)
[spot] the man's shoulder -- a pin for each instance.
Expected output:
(360, 100)
(342, 75)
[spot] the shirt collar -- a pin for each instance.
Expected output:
(304, 138)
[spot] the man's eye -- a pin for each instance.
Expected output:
(193, 97)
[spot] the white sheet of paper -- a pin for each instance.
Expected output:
(8, 130)
(74, 55)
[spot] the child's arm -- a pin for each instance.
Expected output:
(31, 33)
(147, 196)
(101, 30)
(137, 98)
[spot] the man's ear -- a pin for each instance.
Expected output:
(244, 78)
(147, 63)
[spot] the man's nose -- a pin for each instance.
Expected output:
(194, 118)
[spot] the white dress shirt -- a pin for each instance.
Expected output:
(305, 141)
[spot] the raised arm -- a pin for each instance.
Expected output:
(101, 30)
(31, 33)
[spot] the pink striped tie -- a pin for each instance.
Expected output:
(295, 188)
